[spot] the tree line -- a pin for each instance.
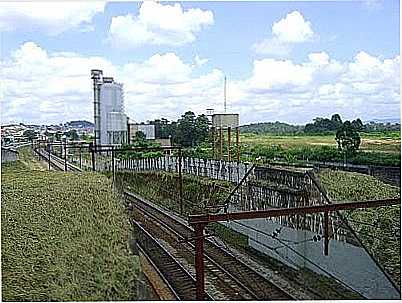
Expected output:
(319, 126)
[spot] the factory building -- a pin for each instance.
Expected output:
(110, 119)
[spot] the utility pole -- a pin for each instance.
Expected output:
(180, 182)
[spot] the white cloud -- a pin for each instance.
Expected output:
(289, 30)
(319, 58)
(51, 17)
(44, 87)
(200, 62)
(158, 24)
(283, 90)
(159, 69)
(293, 28)
(52, 87)
(270, 73)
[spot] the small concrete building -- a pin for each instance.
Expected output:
(225, 120)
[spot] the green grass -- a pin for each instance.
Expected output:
(380, 227)
(27, 158)
(348, 186)
(64, 238)
(370, 142)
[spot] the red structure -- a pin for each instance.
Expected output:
(200, 221)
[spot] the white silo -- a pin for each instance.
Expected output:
(112, 122)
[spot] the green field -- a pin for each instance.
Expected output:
(390, 142)
(64, 237)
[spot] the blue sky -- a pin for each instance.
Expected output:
(286, 61)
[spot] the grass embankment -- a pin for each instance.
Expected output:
(378, 228)
(64, 238)
(163, 188)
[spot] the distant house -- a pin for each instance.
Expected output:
(9, 155)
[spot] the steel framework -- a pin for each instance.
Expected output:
(199, 222)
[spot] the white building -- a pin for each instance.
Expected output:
(110, 119)
(147, 129)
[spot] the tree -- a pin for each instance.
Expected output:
(186, 129)
(29, 134)
(58, 135)
(348, 138)
(357, 125)
(72, 134)
(201, 129)
(140, 139)
(86, 137)
(336, 121)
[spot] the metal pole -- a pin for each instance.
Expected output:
(92, 155)
(199, 261)
(238, 143)
(221, 142)
(180, 183)
(113, 172)
(326, 236)
(65, 156)
(213, 142)
(229, 134)
(48, 150)
(80, 158)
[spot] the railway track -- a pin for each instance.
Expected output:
(176, 277)
(56, 162)
(219, 282)
(253, 285)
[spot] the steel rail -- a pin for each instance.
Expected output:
(181, 292)
(215, 263)
(212, 246)
(56, 161)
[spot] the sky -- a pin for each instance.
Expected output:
(284, 61)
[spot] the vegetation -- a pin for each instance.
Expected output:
(140, 141)
(64, 238)
(320, 126)
(27, 160)
(29, 134)
(188, 131)
(163, 188)
(324, 125)
(347, 186)
(348, 138)
(318, 153)
(277, 128)
(378, 228)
